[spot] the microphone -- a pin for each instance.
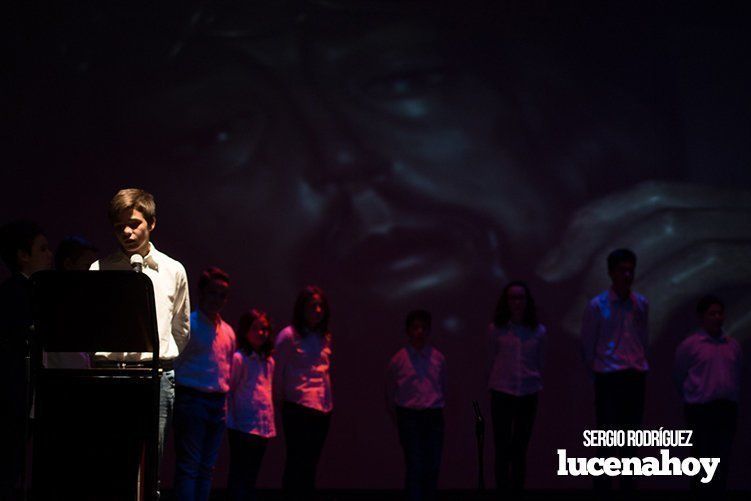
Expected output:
(136, 262)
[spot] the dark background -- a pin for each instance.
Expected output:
(401, 155)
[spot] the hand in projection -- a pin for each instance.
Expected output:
(690, 240)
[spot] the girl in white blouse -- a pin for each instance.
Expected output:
(250, 408)
(517, 342)
(303, 384)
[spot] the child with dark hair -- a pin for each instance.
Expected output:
(132, 215)
(75, 253)
(24, 250)
(708, 374)
(517, 347)
(303, 384)
(250, 414)
(202, 375)
(614, 337)
(415, 394)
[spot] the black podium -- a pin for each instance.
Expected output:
(95, 430)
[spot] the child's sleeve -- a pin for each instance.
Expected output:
(235, 377)
(542, 348)
(281, 355)
(444, 377)
(181, 312)
(682, 364)
(234, 372)
(589, 334)
(390, 386)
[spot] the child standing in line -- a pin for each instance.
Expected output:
(707, 372)
(303, 385)
(614, 335)
(517, 343)
(202, 373)
(250, 407)
(415, 392)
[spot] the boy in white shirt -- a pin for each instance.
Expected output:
(614, 344)
(415, 392)
(202, 373)
(708, 374)
(132, 213)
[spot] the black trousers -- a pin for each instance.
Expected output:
(305, 433)
(714, 424)
(421, 438)
(619, 405)
(245, 456)
(13, 438)
(513, 419)
(15, 399)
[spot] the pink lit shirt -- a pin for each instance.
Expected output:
(708, 368)
(518, 352)
(205, 362)
(302, 369)
(250, 405)
(416, 379)
(615, 333)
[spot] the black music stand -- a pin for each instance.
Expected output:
(96, 430)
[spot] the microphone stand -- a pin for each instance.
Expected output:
(480, 435)
(28, 402)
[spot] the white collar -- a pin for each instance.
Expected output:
(613, 297)
(207, 319)
(423, 352)
(151, 260)
(719, 339)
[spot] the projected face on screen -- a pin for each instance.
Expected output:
(399, 157)
(402, 157)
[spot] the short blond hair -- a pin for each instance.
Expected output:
(130, 199)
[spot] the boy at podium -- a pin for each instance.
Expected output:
(132, 213)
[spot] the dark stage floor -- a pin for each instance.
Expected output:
(457, 495)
